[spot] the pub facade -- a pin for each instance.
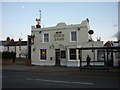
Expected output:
(57, 45)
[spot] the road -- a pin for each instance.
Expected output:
(11, 79)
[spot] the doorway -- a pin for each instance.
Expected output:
(57, 57)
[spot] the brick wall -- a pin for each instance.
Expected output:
(6, 61)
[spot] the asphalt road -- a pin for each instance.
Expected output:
(12, 79)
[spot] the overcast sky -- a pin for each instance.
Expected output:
(18, 17)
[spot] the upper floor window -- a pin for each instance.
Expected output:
(46, 37)
(73, 36)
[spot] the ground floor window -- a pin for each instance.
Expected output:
(19, 48)
(79, 57)
(43, 55)
(63, 54)
(101, 55)
(72, 54)
(7, 48)
(20, 55)
(117, 54)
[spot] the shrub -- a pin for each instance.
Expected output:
(8, 55)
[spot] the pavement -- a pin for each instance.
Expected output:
(60, 70)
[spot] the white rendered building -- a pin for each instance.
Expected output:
(57, 45)
(20, 47)
(2, 43)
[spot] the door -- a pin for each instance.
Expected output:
(57, 57)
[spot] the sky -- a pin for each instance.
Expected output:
(18, 17)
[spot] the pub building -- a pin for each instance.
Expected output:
(57, 45)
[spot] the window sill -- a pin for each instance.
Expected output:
(73, 60)
(73, 41)
(43, 60)
(45, 42)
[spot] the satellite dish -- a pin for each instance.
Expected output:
(90, 32)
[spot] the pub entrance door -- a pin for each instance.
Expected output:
(57, 57)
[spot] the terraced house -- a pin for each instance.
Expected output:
(19, 47)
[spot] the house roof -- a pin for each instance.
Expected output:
(93, 48)
(22, 43)
(108, 43)
(17, 43)
(2, 43)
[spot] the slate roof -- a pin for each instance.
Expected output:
(2, 43)
(17, 43)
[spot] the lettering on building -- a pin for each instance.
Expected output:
(59, 37)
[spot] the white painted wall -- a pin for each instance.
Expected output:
(12, 48)
(82, 40)
(22, 51)
(1, 48)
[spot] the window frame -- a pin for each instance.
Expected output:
(63, 57)
(19, 48)
(8, 48)
(40, 57)
(72, 55)
(44, 37)
(72, 37)
(101, 55)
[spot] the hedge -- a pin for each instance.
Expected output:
(8, 55)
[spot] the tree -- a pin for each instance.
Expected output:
(117, 35)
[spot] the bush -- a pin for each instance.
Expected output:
(8, 55)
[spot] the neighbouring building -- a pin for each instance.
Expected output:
(114, 55)
(20, 47)
(2, 43)
(57, 45)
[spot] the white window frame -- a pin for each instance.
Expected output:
(48, 37)
(70, 54)
(71, 36)
(40, 55)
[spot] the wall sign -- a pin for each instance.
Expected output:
(59, 37)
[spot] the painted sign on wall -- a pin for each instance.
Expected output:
(59, 37)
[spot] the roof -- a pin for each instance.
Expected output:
(17, 43)
(91, 48)
(108, 43)
(111, 43)
(61, 26)
(2, 43)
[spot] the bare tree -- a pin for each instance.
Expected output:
(117, 35)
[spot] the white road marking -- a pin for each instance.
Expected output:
(60, 81)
